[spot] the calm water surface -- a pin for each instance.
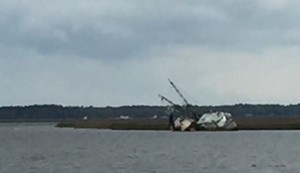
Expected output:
(42, 148)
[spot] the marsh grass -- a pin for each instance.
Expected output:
(249, 123)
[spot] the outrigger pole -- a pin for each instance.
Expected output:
(184, 99)
(178, 92)
(163, 98)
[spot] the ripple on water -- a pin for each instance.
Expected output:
(41, 148)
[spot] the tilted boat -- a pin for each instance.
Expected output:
(188, 120)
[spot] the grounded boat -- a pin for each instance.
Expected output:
(190, 121)
(208, 121)
(217, 120)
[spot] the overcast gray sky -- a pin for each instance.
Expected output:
(121, 52)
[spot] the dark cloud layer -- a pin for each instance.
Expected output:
(118, 30)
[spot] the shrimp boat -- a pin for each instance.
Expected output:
(182, 118)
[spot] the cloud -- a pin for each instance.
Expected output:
(122, 52)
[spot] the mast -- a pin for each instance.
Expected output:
(178, 92)
(186, 110)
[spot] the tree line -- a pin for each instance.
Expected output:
(59, 112)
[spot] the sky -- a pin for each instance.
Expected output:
(122, 52)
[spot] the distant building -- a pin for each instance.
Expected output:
(154, 117)
(124, 117)
(85, 118)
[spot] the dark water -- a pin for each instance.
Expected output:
(42, 148)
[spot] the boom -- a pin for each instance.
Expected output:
(163, 98)
(176, 106)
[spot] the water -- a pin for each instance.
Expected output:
(36, 148)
